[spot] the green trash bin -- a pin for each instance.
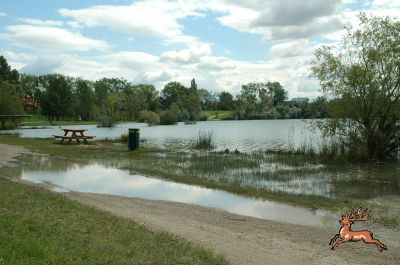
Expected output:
(133, 139)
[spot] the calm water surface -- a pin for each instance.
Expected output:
(96, 178)
(242, 135)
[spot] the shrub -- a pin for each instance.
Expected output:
(203, 118)
(168, 118)
(149, 117)
(228, 118)
(106, 121)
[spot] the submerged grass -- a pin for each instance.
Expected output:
(294, 178)
(41, 227)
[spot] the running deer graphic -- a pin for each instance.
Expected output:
(353, 236)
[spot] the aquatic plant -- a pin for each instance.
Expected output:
(205, 140)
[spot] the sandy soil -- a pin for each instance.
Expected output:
(243, 240)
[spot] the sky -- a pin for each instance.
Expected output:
(223, 44)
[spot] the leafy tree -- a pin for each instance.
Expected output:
(185, 100)
(362, 75)
(7, 74)
(57, 98)
(226, 101)
(150, 93)
(277, 93)
(30, 86)
(115, 85)
(101, 91)
(84, 96)
(170, 93)
(254, 98)
(193, 84)
(319, 107)
(208, 101)
(10, 101)
(10, 96)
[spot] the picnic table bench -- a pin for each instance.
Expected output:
(76, 134)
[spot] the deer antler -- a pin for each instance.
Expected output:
(358, 216)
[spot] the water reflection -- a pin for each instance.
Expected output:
(97, 178)
(242, 135)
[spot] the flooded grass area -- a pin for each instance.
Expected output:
(66, 175)
(289, 178)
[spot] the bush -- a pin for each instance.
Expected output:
(149, 117)
(168, 118)
(106, 121)
(203, 118)
(228, 118)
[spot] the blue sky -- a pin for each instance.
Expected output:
(223, 44)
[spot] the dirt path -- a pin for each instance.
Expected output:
(244, 240)
(247, 240)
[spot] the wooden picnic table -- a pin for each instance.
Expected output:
(76, 134)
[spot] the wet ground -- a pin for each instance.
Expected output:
(65, 175)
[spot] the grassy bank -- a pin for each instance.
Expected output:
(217, 114)
(28, 122)
(297, 179)
(41, 227)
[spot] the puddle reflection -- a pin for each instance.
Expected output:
(97, 178)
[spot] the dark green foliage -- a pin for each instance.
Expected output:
(184, 101)
(84, 99)
(168, 118)
(226, 101)
(10, 95)
(7, 74)
(208, 100)
(149, 117)
(57, 99)
(193, 85)
(10, 101)
(277, 93)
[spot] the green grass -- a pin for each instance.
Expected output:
(249, 175)
(211, 114)
(41, 227)
(27, 122)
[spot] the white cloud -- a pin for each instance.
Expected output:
(187, 56)
(39, 22)
(295, 13)
(154, 18)
(50, 38)
(3, 14)
(279, 20)
(291, 49)
(386, 4)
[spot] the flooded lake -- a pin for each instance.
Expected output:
(242, 135)
(65, 175)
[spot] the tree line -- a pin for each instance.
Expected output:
(116, 99)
